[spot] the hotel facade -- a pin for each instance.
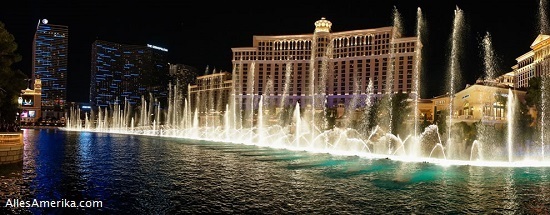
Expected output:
(334, 65)
(210, 95)
(49, 64)
(534, 63)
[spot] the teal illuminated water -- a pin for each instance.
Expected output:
(155, 175)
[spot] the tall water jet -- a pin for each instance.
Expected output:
(184, 122)
(486, 133)
(170, 105)
(454, 68)
(227, 123)
(286, 85)
(321, 86)
(544, 81)
(366, 120)
(196, 119)
(489, 58)
(87, 121)
(260, 125)
(397, 31)
(188, 108)
(151, 109)
(268, 92)
(143, 112)
(510, 104)
(420, 25)
(159, 108)
(297, 124)
(312, 74)
(350, 112)
(220, 106)
(249, 111)
(544, 26)
(232, 98)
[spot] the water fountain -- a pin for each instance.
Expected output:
(544, 28)
(307, 127)
(454, 72)
(420, 25)
(510, 120)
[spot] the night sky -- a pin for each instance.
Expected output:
(201, 34)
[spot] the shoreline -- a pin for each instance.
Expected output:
(38, 127)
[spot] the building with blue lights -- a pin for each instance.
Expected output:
(50, 54)
(121, 72)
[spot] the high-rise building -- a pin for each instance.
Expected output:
(122, 72)
(50, 55)
(334, 65)
(534, 63)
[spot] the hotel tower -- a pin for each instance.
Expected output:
(49, 63)
(333, 65)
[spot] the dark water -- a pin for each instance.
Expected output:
(151, 175)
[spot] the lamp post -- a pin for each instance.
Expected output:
(18, 117)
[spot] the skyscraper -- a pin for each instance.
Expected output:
(50, 55)
(122, 72)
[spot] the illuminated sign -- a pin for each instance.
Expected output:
(28, 100)
(86, 107)
(157, 47)
(28, 114)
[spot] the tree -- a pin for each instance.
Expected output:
(523, 122)
(12, 81)
(528, 123)
(533, 94)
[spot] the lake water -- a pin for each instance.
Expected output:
(154, 175)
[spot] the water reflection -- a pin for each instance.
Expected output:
(510, 193)
(476, 189)
(138, 174)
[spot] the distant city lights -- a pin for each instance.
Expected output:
(157, 47)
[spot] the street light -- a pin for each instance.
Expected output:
(18, 114)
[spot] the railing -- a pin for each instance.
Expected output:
(483, 118)
(11, 138)
(494, 118)
(465, 117)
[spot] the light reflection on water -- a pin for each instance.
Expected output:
(152, 175)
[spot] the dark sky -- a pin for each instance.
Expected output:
(201, 34)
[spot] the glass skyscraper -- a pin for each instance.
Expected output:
(122, 72)
(50, 54)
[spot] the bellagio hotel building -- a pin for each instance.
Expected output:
(345, 61)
